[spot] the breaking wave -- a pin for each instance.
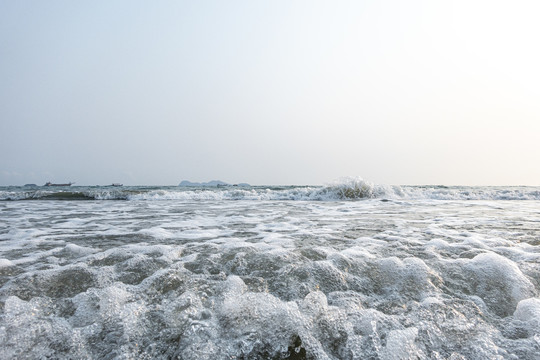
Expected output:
(350, 189)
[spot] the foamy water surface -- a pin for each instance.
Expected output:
(393, 275)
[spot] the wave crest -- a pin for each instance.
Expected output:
(357, 188)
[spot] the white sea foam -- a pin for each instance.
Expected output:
(400, 344)
(499, 282)
(4, 263)
(207, 279)
(528, 310)
(157, 232)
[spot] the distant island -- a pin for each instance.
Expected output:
(48, 183)
(213, 183)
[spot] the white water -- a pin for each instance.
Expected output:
(344, 189)
(206, 279)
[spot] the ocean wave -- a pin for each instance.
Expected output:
(345, 189)
(61, 195)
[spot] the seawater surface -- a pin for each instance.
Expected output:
(347, 271)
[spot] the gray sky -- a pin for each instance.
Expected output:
(270, 92)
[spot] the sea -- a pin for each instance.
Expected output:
(348, 270)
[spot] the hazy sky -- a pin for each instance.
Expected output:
(270, 92)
